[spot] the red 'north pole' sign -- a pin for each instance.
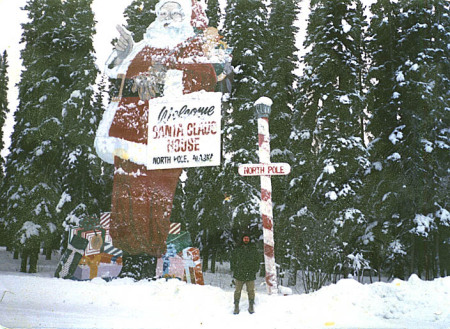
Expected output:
(264, 169)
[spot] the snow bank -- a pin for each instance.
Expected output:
(41, 301)
(37, 302)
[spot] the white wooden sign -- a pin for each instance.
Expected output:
(184, 131)
(264, 169)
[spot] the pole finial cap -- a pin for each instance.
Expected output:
(262, 106)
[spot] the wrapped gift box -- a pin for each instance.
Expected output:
(110, 249)
(176, 268)
(96, 238)
(109, 271)
(193, 266)
(175, 228)
(105, 222)
(110, 259)
(94, 255)
(71, 257)
(82, 272)
(101, 266)
(106, 271)
(180, 241)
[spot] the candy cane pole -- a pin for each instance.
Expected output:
(263, 106)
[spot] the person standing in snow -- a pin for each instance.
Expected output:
(245, 265)
(169, 62)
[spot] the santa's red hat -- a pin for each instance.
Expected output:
(198, 18)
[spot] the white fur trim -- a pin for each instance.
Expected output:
(107, 147)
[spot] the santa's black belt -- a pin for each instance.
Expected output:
(127, 88)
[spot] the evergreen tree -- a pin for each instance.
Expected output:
(139, 15)
(424, 99)
(3, 104)
(213, 12)
(83, 185)
(281, 61)
(384, 180)
(3, 112)
(207, 213)
(410, 143)
(333, 143)
(33, 166)
(51, 167)
(107, 170)
(244, 30)
(300, 212)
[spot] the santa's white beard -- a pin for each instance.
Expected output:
(159, 36)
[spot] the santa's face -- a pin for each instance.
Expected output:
(170, 13)
(171, 27)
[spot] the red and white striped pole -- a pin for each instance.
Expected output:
(263, 106)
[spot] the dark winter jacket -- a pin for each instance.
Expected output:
(245, 262)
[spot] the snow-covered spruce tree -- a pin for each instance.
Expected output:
(384, 176)
(178, 214)
(299, 209)
(244, 30)
(83, 185)
(107, 170)
(425, 101)
(213, 12)
(332, 89)
(3, 104)
(7, 228)
(3, 112)
(139, 15)
(410, 132)
(33, 166)
(207, 213)
(309, 243)
(9, 197)
(280, 63)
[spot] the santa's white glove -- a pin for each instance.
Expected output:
(150, 84)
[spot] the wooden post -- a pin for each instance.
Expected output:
(263, 111)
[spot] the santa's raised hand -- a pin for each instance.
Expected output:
(124, 45)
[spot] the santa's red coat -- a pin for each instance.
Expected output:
(142, 199)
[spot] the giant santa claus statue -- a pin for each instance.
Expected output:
(172, 60)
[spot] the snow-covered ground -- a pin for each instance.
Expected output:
(41, 301)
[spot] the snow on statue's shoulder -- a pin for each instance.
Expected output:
(265, 101)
